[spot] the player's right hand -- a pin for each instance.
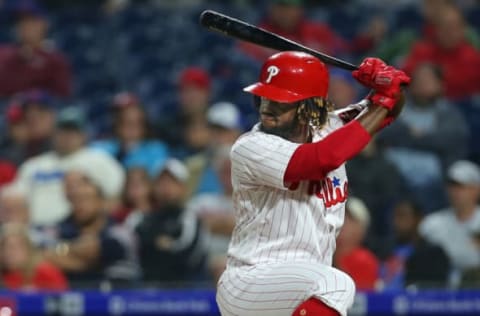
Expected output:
(385, 80)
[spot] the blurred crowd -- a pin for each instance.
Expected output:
(125, 181)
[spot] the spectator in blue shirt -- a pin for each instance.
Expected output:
(131, 144)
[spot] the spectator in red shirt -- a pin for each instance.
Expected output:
(351, 257)
(32, 62)
(286, 18)
(450, 49)
(22, 268)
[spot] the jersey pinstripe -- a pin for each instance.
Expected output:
(278, 226)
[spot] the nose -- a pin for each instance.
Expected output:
(265, 107)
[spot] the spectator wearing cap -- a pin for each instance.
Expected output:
(351, 256)
(225, 122)
(171, 238)
(454, 228)
(225, 125)
(287, 18)
(31, 122)
(41, 177)
(32, 62)
(132, 144)
(409, 262)
(89, 246)
(184, 127)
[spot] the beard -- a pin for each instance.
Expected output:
(285, 131)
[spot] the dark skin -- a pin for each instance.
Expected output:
(278, 115)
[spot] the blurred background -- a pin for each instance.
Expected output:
(117, 121)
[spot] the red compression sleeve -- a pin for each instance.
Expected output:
(313, 161)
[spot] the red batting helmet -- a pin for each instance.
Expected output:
(289, 77)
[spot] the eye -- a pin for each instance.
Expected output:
(267, 102)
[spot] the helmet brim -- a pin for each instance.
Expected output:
(274, 93)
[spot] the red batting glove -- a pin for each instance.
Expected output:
(367, 70)
(385, 80)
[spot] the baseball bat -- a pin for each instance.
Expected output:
(241, 30)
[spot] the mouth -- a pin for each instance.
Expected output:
(268, 117)
(268, 114)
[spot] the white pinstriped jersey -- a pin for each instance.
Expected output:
(274, 223)
(281, 249)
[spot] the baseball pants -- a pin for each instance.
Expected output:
(277, 289)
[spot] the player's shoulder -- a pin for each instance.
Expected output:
(256, 138)
(333, 122)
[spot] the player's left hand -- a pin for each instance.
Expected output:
(385, 80)
(376, 74)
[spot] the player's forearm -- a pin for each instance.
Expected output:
(313, 161)
(375, 117)
(371, 118)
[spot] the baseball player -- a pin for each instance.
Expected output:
(290, 187)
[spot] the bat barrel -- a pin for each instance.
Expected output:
(241, 30)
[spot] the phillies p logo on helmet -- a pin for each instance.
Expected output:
(290, 77)
(272, 72)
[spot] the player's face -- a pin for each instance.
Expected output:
(278, 118)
